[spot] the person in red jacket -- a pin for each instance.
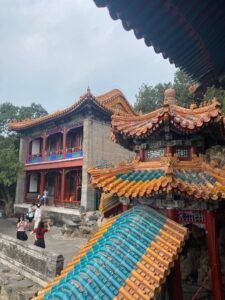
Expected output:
(40, 233)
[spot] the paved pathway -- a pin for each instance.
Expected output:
(68, 247)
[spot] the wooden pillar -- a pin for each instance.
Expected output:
(193, 150)
(125, 207)
(64, 141)
(142, 154)
(169, 150)
(42, 183)
(210, 225)
(176, 283)
(43, 152)
(63, 188)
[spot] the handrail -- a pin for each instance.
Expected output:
(201, 286)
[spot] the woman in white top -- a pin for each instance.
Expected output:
(37, 215)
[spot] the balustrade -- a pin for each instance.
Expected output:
(50, 153)
(55, 155)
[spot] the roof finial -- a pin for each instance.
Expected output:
(169, 96)
(88, 90)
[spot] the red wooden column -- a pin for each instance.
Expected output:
(64, 141)
(177, 292)
(193, 150)
(210, 225)
(63, 187)
(43, 152)
(169, 150)
(42, 183)
(142, 154)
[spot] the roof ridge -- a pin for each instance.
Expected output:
(20, 125)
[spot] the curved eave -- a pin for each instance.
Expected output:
(194, 179)
(109, 97)
(183, 32)
(187, 121)
(27, 124)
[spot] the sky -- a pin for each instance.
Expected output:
(51, 50)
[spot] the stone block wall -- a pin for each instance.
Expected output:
(98, 147)
(35, 263)
(20, 178)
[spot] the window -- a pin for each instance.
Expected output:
(182, 153)
(156, 153)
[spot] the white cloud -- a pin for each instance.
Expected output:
(51, 50)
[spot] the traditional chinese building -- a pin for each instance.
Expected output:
(134, 253)
(56, 150)
(171, 173)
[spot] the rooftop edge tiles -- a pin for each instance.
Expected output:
(107, 102)
(186, 120)
(128, 258)
(194, 178)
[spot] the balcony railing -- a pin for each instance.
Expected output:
(34, 158)
(56, 155)
(74, 152)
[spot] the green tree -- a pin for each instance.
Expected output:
(9, 168)
(150, 98)
(10, 112)
(31, 112)
(181, 84)
(9, 150)
(217, 93)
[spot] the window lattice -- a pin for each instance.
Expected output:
(182, 152)
(149, 154)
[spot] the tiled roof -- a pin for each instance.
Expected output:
(185, 119)
(128, 258)
(189, 33)
(105, 101)
(194, 179)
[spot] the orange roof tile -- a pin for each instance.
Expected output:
(128, 258)
(185, 119)
(106, 101)
(141, 179)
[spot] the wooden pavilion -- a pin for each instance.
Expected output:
(171, 173)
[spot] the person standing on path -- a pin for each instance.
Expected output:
(30, 216)
(39, 234)
(37, 215)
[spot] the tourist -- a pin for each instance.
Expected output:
(43, 199)
(37, 215)
(21, 229)
(39, 234)
(30, 216)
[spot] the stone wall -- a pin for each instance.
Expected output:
(14, 286)
(35, 263)
(58, 215)
(98, 147)
(20, 178)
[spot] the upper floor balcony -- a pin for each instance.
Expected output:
(56, 146)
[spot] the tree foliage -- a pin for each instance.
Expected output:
(10, 165)
(150, 98)
(217, 93)
(10, 112)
